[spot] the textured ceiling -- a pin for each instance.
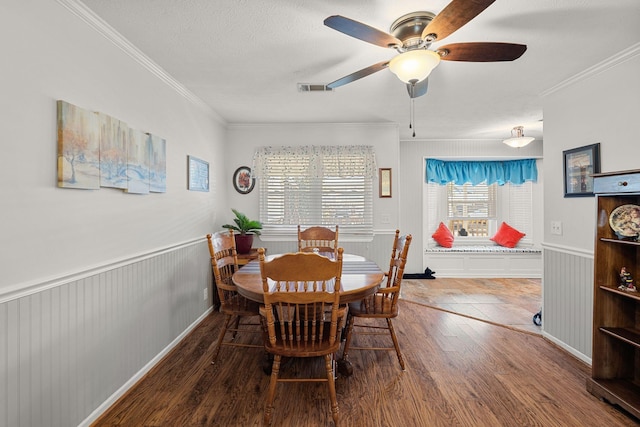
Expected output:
(244, 58)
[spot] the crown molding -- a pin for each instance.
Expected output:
(313, 125)
(612, 61)
(103, 28)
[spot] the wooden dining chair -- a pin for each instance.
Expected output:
(321, 238)
(301, 307)
(224, 262)
(381, 305)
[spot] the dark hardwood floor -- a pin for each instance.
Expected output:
(460, 372)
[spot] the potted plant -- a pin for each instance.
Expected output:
(245, 229)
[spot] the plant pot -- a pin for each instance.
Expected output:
(244, 242)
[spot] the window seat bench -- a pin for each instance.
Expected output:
(484, 261)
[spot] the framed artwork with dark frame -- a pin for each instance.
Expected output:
(242, 180)
(385, 182)
(579, 164)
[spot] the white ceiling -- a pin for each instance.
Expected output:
(245, 57)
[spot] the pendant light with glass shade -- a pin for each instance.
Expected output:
(414, 65)
(518, 140)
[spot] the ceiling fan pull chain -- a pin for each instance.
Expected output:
(413, 115)
(410, 113)
(412, 108)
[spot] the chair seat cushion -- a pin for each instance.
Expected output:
(377, 305)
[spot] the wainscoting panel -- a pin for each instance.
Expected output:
(568, 299)
(64, 351)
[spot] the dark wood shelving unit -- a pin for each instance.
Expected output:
(615, 372)
(628, 335)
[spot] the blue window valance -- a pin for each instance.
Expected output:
(475, 172)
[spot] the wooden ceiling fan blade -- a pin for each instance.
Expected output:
(361, 31)
(419, 89)
(481, 52)
(453, 16)
(359, 74)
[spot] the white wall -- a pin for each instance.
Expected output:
(49, 54)
(601, 105)
(243, 141)
(95, 285)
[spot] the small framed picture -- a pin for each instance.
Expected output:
(385, 182)
(579, 166)
(242, 180)
(198, 179)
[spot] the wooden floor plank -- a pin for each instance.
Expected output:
(460, 372)
(508, 302)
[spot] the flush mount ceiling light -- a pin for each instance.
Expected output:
(518, 139)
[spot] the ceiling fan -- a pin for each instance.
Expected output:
(412, 35)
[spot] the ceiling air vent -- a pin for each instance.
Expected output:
(308, 87)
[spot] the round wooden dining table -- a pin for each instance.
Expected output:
(360, 277)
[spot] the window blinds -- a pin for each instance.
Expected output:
(521, 209)
(468, 201)
(318, 185)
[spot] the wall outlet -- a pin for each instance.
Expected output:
(385, 219)
(205, 294)
(556, 228)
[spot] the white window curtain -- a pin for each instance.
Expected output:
(316, 185)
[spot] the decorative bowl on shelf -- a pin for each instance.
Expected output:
(625, 222)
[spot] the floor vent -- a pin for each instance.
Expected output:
(308, 87)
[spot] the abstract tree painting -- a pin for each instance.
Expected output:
(96, 150)
(158, 164)
(113, 152)
(78, 147)
(138, 158)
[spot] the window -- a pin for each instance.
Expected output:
(480, 209)
(323, 185)
(519, 205)
(471, 209)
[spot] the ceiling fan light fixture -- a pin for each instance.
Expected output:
(518, 140)
(414, 65)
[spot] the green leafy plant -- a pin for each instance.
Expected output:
(243, 224)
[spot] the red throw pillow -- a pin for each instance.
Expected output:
(507, 236)
(443, 236)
